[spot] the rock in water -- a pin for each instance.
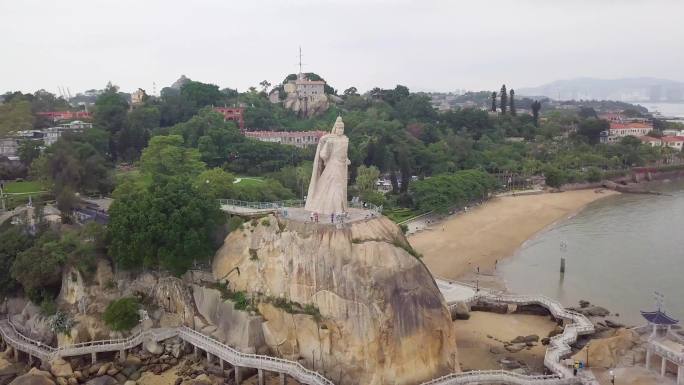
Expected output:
(382, 317)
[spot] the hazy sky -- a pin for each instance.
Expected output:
(424, 44)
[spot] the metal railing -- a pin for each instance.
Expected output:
(558, 348)
(278, 205)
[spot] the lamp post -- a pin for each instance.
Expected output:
(588, 353)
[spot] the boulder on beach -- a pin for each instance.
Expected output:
(605, 352)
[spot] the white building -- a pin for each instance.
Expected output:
(310, 90)
(8, 147)
(617, 131)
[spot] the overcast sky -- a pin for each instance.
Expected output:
(424, 44)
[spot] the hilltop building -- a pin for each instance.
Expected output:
(138, 97)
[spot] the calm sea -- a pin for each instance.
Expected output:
(619, 251)
(667, 109)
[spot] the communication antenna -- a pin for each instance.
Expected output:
(301, 65)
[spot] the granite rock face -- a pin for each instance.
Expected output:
(382, 318)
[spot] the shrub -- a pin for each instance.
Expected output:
(61, 322)
(122, 314)
(240, 300)
(48, 307)
(265, 222)
(594, 174)
(235, 223)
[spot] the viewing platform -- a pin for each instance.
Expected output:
(294, 210)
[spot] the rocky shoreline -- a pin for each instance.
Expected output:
(170, 362)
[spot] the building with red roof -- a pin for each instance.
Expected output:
(235, 114)
(619, 130)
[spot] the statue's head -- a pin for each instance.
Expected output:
(338, 127)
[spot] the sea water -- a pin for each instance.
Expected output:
(619, 251)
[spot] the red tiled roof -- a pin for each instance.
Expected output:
(628, 126)
(672, 139)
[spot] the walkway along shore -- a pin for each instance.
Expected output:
(575, 324)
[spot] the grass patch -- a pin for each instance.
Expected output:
(24, 187)
(265, 222)
(250, 181)
(239, 298)
(400, 214)
(295, 307)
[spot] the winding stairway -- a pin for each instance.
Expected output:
(559, 347)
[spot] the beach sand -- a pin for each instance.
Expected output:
(474, 345)
(456, 246)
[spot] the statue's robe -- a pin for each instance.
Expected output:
(328, 186)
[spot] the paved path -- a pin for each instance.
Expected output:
(9, 214)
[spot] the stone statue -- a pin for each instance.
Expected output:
(328, 186)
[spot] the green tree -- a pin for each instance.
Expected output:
(591, 129)
(512, 103)
(493, 109)
(366, 179)
(443, 191)
(503, 100)
(536, 107)
(215, 183)
(122, 314)
(554, 176)
(200, 94)
(111, 111)
(28, 151)
(168, 224)
(12, 242)
(15, 115)
(166, 156)
(351, 91)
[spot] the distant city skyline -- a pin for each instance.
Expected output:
(426, 45)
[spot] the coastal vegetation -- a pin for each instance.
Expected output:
(174, 156)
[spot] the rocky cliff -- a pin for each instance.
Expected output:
(374, 314)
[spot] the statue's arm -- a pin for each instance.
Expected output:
(325, 151)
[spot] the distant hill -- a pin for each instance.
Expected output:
(627, 90)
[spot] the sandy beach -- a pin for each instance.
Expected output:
(477, 339)
(458, 245)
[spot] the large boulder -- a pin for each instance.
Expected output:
(382, 318)
(32, 379)
(61, 368)
(605, 352)
(236, 328)
(172, 295)
(73, 287)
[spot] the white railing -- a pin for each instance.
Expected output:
(558, 348)
(559, 345)
(237, 358)
(271, 206)
(667, 352)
